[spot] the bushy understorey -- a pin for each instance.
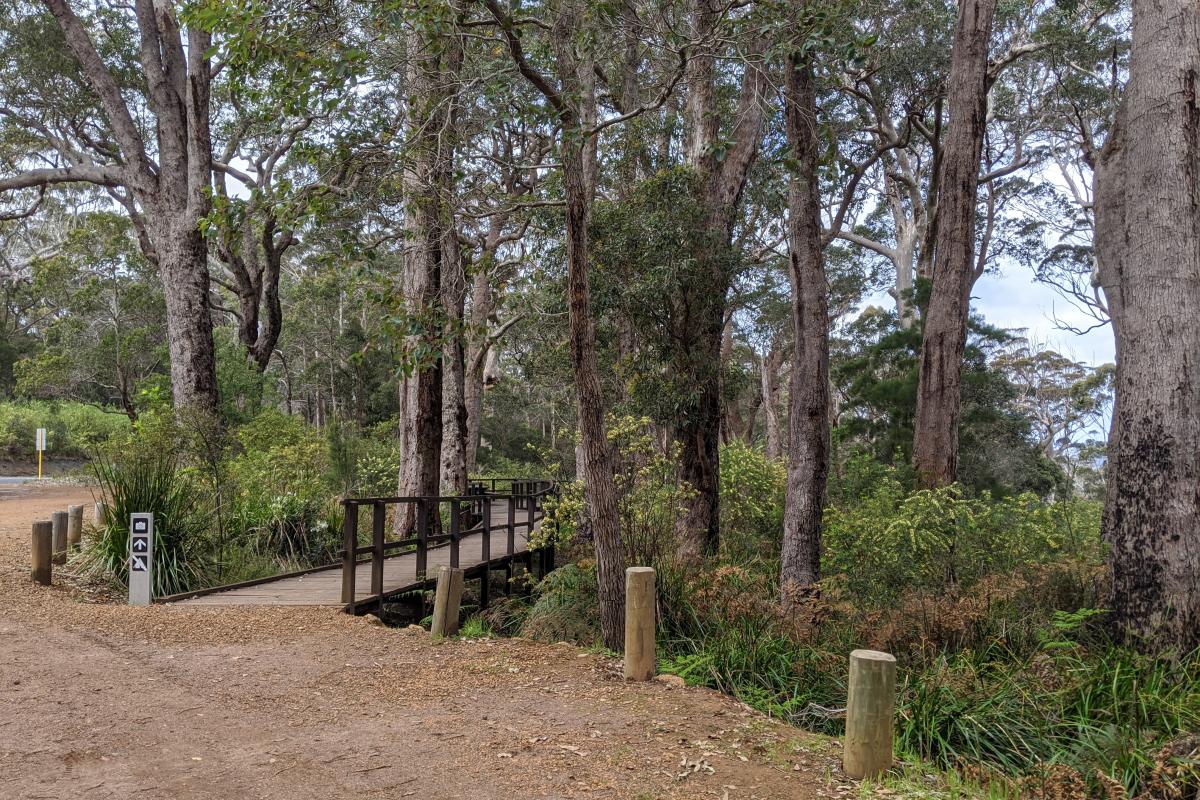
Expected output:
(231, 504)
(989, 604)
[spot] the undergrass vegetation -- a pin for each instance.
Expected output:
(991, 605)
(232, 503)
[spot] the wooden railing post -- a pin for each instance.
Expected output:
(639, 623)
(529, 518)
(74, 527)
(422, 539)
(446, 601)
(43, 536)
(870, 708)
(455, 529)
(512, 525)
(378, 515)
(58, 525)
(349, 543)
(485, 577)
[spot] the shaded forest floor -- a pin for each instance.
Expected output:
(167, 702)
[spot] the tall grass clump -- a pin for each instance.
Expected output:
(149, 479)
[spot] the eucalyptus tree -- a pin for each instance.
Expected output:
(721, 140)
(574, 35)
(808, 388)
(978, 147)
(119, 97)
(1148, 255)
(101, 340)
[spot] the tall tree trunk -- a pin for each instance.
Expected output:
(579, 165)
(808, 390)
(454, 399)
(771, 362)
(723, 173)
(435, 60)
(183, 267)
(165, 200)
(1148, 254)
(939, 395)
(482, 305)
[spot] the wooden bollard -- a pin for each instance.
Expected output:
(58, 522)
(639, 624)
(43, 540)
(446, 600)
(98, 514)
(870, 708)
(74, 526)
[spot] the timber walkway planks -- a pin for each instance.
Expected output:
(467, 541)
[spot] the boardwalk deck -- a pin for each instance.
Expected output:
(324, 587)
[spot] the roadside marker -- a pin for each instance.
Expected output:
(41, 446)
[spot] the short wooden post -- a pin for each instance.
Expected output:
(74, 527)
(446, 600)
(98, 514)
(639, 623)
(869, 714)
(43, 540)
(58, 523)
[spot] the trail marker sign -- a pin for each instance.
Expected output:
(141, 558)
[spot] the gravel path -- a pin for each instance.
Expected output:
(177, 703)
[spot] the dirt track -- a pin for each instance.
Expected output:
(113, 701)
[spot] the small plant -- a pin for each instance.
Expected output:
(476, 627)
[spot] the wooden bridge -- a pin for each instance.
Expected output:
(487, 529)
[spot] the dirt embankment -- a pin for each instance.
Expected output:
(177, 703)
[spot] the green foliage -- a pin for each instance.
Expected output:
(892, 541)
(650, 496)
(752, 495)
(565, 606)
(282, 489)
(72, 429)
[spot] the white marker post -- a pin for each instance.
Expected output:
(41, 447)
(141, 558)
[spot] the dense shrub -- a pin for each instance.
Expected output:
(72, 429)
(890, 540)
(987, 603)
(752, 492)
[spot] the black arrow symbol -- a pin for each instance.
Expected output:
(140, 545)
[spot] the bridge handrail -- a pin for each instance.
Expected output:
(428, 533)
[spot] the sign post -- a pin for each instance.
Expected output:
(41, 446)
(141, 558)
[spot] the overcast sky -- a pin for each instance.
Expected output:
(1014, 300)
